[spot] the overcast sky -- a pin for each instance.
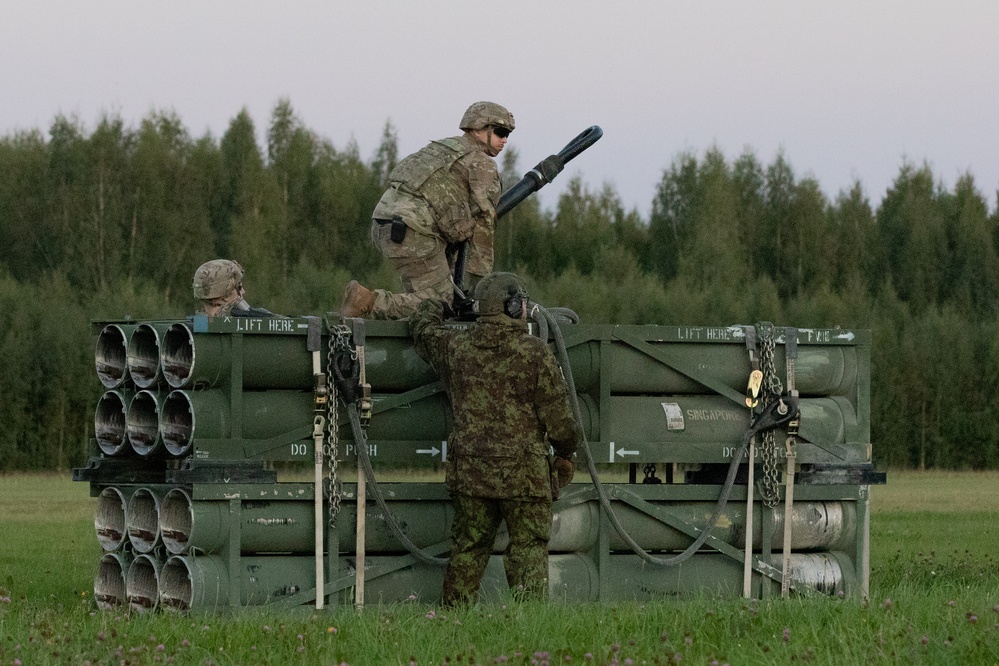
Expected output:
(849, 90)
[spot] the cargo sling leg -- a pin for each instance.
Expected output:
(320, 397)
(357, 330)
(752, 398)
(791, 353)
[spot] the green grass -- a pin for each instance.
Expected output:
(934, 600)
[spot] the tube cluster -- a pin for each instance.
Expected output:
(194, 413)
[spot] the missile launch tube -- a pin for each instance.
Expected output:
(202, 583)
(819, 370)
(109, 581)
(287, 526)
(573, 577)
(142, 584)
(142, 422)
(143, 358)
(816, 526)
(704, 419)
(192, 360)
(282, 362)
(191, 415)
(110, 519)
(110, 358)
(266, 527)
(188, 416)
(204, 360)
(143, 519)
(110, 419)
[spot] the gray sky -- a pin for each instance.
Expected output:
(848, 89)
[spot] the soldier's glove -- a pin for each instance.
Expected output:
(463, 308)
(564, 468)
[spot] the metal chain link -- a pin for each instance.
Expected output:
(338, 343)
(770, 483)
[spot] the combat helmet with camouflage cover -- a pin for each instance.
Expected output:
(217, 278)
(483, 114)
(500, 293)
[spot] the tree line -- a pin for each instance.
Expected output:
(112, 221)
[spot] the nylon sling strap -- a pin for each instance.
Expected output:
(790, 448)
(320, 393)
(752, 399)
(756, 375)
(364, 411)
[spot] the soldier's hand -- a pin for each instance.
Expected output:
(564, 468)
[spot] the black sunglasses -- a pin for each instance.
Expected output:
(501, 132)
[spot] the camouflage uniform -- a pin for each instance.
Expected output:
(443, 194)
(509, 402)
(223, 278)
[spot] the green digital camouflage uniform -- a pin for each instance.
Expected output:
(444, 193)
(509, 402)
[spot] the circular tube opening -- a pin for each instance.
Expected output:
(109, 422)
(144, 356)
(176, 521)
(142, 585)
(176, 589)
(142, 423)
(109, 359)
(177, 423)
(109, 582)
(143, 520)
(177, 361)
(109, 519)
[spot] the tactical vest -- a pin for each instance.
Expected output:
(427, 173)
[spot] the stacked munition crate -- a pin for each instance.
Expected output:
(198, 414)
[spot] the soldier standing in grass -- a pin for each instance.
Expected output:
(218, 284)
(509, 402)
(440, 196)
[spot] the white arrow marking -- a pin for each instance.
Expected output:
(845, 336)
(622, 452)
(432, 451)
(226, 480)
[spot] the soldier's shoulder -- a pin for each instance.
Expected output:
(456, 143)
(530, 344)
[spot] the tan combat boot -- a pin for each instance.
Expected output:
(357, 300)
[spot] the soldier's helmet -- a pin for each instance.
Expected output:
(500, 293)
(217, 278)
(482, 114)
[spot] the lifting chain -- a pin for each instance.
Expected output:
(772, 389)
(339, 343)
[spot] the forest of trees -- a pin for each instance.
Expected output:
(102, 223)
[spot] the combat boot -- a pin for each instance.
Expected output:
(357, 300)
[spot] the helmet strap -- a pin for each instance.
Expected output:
(490, 150)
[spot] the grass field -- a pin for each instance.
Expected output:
(934, 600)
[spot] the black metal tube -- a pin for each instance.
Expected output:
(533, 180)
(537, 177)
